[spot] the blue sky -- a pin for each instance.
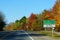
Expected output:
(16, 9)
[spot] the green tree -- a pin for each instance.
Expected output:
(23, 21)
(2, 23)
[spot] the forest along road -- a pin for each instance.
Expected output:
(22, 35)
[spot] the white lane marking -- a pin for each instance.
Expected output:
(29, 35)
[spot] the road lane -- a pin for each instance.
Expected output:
(16, 35)
(4, 33)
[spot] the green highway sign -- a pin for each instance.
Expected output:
(49, 23)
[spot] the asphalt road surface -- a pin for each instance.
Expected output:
(15, 35)
(23, 35)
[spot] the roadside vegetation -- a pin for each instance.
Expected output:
(49, 33)
(35, 21)
(2, 22)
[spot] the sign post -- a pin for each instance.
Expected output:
(52, 31)
(49, 24)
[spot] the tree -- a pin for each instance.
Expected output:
(40, 22)
(32, 22)
(2, 23)
(56, 11)
(23, 22)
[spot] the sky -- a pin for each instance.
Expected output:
(16, 9)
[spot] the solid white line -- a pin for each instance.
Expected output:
(29, 35)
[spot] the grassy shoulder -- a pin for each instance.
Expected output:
(49, 33)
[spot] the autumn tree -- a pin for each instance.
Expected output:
(56, 11)
(39, 22)
(32, 21)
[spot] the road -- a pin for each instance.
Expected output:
(15, 35)
(22, 35)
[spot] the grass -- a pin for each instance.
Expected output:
(49, 33)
